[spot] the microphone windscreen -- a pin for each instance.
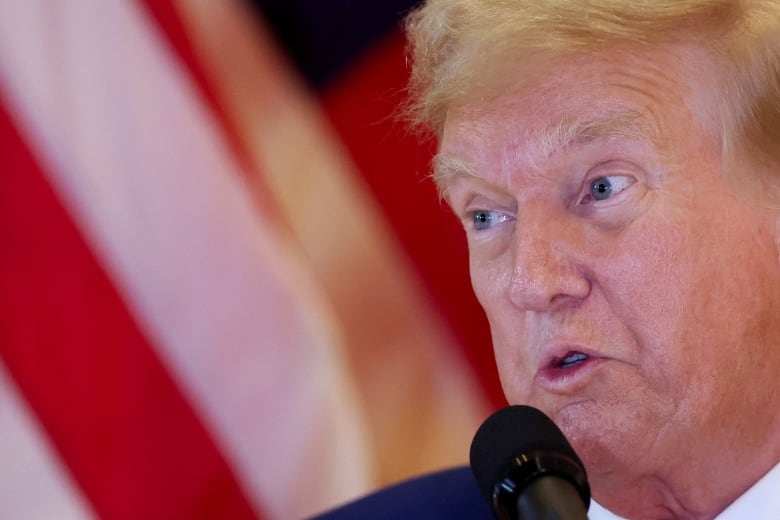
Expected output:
(510, 433)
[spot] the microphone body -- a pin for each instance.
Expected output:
(526, 468)
(548, 498)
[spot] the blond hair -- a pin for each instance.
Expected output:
(455, 46)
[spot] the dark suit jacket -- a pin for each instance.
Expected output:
(451, 494)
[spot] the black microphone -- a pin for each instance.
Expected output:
(526, 469)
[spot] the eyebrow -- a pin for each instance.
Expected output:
(618, 124)
(447, 168)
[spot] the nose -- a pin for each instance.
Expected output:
(547, 264)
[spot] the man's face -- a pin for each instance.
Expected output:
(633, 291)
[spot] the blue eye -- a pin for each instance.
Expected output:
(603, 188)
(483, 219)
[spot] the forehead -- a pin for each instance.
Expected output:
(617, 123)
(623, 94)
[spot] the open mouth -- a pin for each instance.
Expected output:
(571, 359)
(569, 373)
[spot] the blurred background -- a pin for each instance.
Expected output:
(227, 287)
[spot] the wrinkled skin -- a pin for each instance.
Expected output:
(632, 244)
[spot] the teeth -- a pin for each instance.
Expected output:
(573, 359)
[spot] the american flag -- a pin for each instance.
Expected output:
(227, 288)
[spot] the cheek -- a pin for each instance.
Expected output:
(655, 286)
(486, 280)
(490, 268)
(692, 298)
(489, 281)
(645, 276)
(508, 327)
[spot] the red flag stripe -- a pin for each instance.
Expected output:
(142, 168)
(31, 466)
(279, 120)
(364, 107)
(119, 422)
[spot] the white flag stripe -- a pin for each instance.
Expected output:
(145, 172)
(421, 399)
(33, 484)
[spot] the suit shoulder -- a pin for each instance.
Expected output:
(450, 494)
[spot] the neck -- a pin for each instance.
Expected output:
(693, 492)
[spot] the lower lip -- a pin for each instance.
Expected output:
(571, 379)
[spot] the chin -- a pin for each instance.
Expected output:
(607, 444)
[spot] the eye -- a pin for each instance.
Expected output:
(603, 188)
(483, 219)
